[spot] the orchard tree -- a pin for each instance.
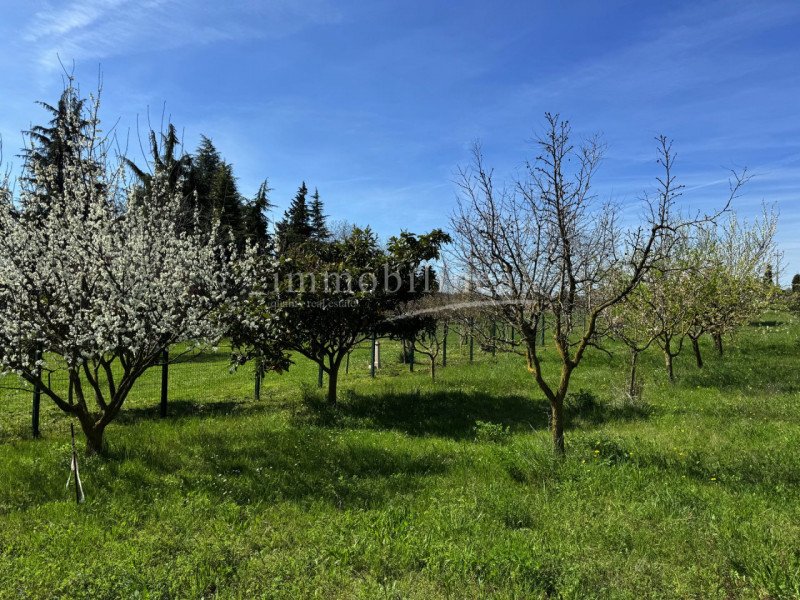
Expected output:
(329, 301)
(634, 325)
(333, 295)
(428, 324)
(732, 289)
(544, 245)
(101, 282)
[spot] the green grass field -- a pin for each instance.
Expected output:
(693, 493)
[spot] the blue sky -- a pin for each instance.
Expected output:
(377, 103)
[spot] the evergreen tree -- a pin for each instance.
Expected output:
(204, 165)
(296, 228)
(796, 283)
(227, 203)
(54, 146)
(255, 221)
(175, 169)
(769, 279)
(319, 226)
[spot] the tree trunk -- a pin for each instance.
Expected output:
(333, 376)
(93, 433)
(698, 356)
(718, 343)
(433, 368)
(668, 363)
(632, 382)
(557, 424)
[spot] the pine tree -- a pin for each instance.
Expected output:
(769, 279)
(295, 228)
(227, 203)
(255, 220)
(204, 165)
(54, 146)
(796, 283)
(319, 226)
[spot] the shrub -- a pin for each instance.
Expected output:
(486, 431)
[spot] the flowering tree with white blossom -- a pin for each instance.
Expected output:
(100, 281)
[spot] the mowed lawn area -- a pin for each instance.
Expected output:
(407, 490)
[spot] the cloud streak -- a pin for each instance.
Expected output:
(98, 29)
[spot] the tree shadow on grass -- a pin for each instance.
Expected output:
(773, 323)
(179, 409)
(248, 465)
(453, 414)
(739, 373)
(221, 357)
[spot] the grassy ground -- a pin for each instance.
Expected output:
(692, 494)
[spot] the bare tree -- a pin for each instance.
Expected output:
(545, 245)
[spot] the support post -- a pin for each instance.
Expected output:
(37, 392)
(372, 356)
(444, 345)
(257, 394)
(471, 340)
(164, 381)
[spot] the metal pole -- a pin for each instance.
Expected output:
(164, 381)
(372, 356)
(471, 340)
(444, 345)
(37, 392)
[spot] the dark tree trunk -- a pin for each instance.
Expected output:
(433, 368)
(333, 376)
(94, 434)
(718, 343)
(697, 355)
(557, 424)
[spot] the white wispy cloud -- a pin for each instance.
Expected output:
(98, 29)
